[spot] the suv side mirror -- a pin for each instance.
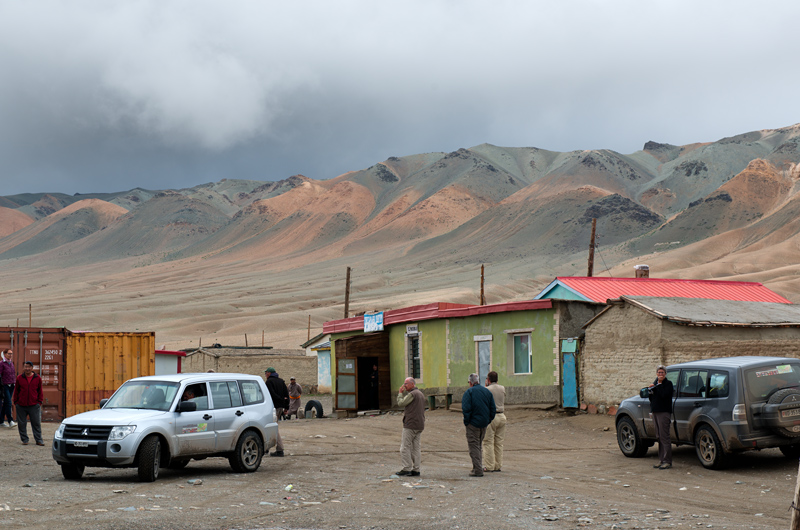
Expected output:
(186, 406)
(103, 402)
(644, 393)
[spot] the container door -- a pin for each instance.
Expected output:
(45, 349)
(569, 377)
(346, 383)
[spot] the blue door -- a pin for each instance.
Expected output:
(569, 383)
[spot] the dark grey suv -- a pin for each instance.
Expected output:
(722, 407)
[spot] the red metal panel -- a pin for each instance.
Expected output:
(496, 308)
(44, 347)
(602, 289)
(394, 316)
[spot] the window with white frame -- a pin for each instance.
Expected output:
(523, 355)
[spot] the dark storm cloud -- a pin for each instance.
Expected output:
(106, 96)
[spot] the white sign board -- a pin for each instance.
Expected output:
(373, 322)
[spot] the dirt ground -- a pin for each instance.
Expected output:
(559, 472)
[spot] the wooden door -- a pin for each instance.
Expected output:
(347, 383)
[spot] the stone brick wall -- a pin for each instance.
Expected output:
(254, 361)
(624, 346)
(620, 353)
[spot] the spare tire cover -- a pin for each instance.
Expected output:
(787, 395)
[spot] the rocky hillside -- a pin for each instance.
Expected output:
(416, 227)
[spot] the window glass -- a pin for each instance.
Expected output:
(718, 384)
(693, 383)
(251, 392)
(672, 377)
(236, 396)
(522, 354)
(220, 394)
(414, 369)
(764, 380)
(196, 393)
(153, 395)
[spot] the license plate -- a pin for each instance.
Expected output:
(86, 444)
(789, 413)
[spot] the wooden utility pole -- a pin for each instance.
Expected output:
(347, 295)
(483, 298)
(591, 248)
(245, 340)
(262, 338)
(309, 327)
(200, 343)
(795, 525)
(30, 315)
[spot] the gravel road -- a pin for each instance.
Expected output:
(560, 472)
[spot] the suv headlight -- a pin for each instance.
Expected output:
(739, 413)
(118, 433)
(60, 431)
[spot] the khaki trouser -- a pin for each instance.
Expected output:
(493, 443)
(410, 449)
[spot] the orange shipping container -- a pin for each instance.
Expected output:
(98, 363)
(78, 369)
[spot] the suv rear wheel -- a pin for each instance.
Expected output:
(249, 451)
(628, 439)
(708, 447)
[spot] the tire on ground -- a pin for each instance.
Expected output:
(628, 439)
(246, 458)
(708, 448)
(72, 471)
(316, 405)
(779, 397)
(149, 458)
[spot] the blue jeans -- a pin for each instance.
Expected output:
(5, 410)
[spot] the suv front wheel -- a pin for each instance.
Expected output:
(249, 451)
(708, 447)
(149, 458)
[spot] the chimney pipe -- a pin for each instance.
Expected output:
(642, 271)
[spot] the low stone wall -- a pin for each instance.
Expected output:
(288, 363)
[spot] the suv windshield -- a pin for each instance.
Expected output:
(155, 395)
(764, 380)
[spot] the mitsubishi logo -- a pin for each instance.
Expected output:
(85, 432)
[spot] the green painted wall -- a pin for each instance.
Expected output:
(463, 360)
(433, 347)
(462, 346)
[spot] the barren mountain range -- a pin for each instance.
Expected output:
(236, 257)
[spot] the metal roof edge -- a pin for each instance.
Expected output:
(497, 308)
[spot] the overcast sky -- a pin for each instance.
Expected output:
(106, 96)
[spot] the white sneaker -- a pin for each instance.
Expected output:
(12, 423)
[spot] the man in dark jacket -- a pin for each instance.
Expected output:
(661, 406)
(477, 405)
(28, 397)
(280, 400)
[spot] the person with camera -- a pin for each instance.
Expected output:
(660, 395)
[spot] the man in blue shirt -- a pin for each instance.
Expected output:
(477, 405)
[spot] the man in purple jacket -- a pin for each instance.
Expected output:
(8, 377)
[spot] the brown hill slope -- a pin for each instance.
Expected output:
(12, 220)
(66, 225)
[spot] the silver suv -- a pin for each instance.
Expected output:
(722, 407)
(165, 421)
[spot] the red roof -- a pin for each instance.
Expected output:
(602, 289)
(432, 311)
